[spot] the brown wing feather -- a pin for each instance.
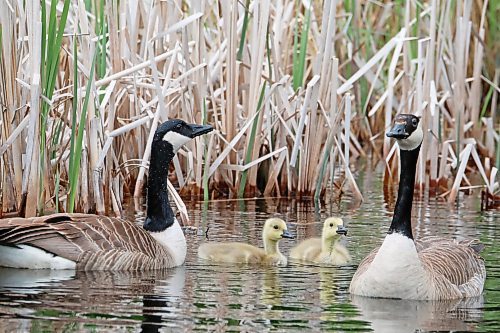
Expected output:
(365, 263)
(92, 241)
(458, 262)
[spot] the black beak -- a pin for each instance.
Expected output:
(197, 130)
(341, 230)
(398, 131)
(286, 234)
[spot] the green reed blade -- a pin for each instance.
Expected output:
(102, 29)
(486, 102)
(241, 47)
(56, 190)
(51, 46)
(300, 60)
(73, 110)
(76, 151)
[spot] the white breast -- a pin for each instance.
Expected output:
(395, 272)
(174, 241)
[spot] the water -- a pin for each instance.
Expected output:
(208, 297)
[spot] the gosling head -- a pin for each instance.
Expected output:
(176, 133)
(275, 229)
(406, 131)
(333, 228)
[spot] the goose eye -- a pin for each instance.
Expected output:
(179, 126)
(415, 122)
(331, 224)
(275, 227)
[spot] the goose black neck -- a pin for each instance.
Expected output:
(401, 221)
(160, 215)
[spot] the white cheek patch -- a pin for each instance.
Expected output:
(176, 140)
(413, 141)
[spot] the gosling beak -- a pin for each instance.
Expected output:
(286, 234)
(398, 131)
(197, 130)
(341, 230)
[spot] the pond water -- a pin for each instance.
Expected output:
(207, 297)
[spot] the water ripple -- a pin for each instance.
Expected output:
(201, 296)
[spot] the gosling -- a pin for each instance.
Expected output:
(233, 252)
(324, 250)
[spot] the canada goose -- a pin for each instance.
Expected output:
(431, 268)
(233, 252)
(91, 242)
(324, 250)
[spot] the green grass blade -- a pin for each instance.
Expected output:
(76, 153)
(51, 46)
(74, 109)
(55, 48)
(486, 102)
(300, 60)
(101, 45)
(56, 190)
(244, 29)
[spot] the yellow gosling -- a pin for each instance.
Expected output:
(233, 252)
(324, 250)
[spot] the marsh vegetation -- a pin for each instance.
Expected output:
(298, 92)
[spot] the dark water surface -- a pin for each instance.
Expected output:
(217, 298)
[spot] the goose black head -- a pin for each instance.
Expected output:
(406, 131)
(177, 132)
(168, 138)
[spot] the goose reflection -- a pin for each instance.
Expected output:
(394, 315)
(96, 295)
(31, 281)
(328, 285)
(155, 307)
(271, 288)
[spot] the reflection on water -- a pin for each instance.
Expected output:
(391, 315)
(218, 297)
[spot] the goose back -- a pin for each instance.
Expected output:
(92, 242)
(232, 252)
(308, 249)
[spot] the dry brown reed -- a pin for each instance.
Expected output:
(298, 91)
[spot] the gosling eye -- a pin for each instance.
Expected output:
(331, 224)
(276, 227)
(414, 122)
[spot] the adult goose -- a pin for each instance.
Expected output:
(92, 242)
(431, 268)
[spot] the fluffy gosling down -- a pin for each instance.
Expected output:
(233, 252)
(327, 249)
